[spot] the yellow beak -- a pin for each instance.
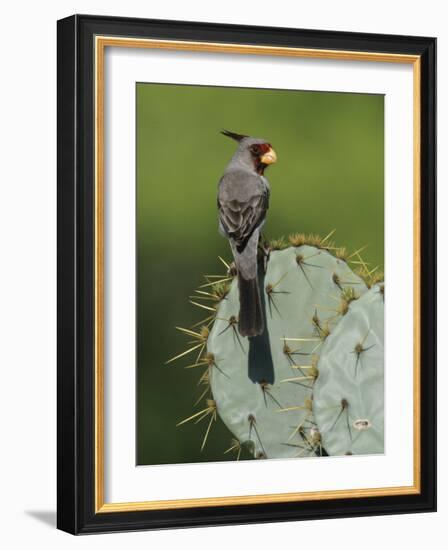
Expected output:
(270, 157)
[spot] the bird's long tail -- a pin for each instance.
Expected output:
(250, 320)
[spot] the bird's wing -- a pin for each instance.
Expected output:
(243, 200)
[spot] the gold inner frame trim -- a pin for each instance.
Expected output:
(101, 42)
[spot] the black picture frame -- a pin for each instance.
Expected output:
(76, 224)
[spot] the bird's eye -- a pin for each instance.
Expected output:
(255, 149)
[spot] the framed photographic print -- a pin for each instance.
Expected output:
(246, 274)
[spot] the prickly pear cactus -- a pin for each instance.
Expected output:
(263, 387)
(348, 399)
(305, 295)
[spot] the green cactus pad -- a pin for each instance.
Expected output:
(348, 399)
(307, 291)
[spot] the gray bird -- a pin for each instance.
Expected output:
(243, 201)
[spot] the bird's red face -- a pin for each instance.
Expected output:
(263, 155)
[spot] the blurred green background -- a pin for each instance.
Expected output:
(329, 175)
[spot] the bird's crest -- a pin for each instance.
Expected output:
(233, 135)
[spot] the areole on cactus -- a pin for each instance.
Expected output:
(268, 389)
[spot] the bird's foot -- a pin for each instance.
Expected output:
(232, 271)
(264, 252)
